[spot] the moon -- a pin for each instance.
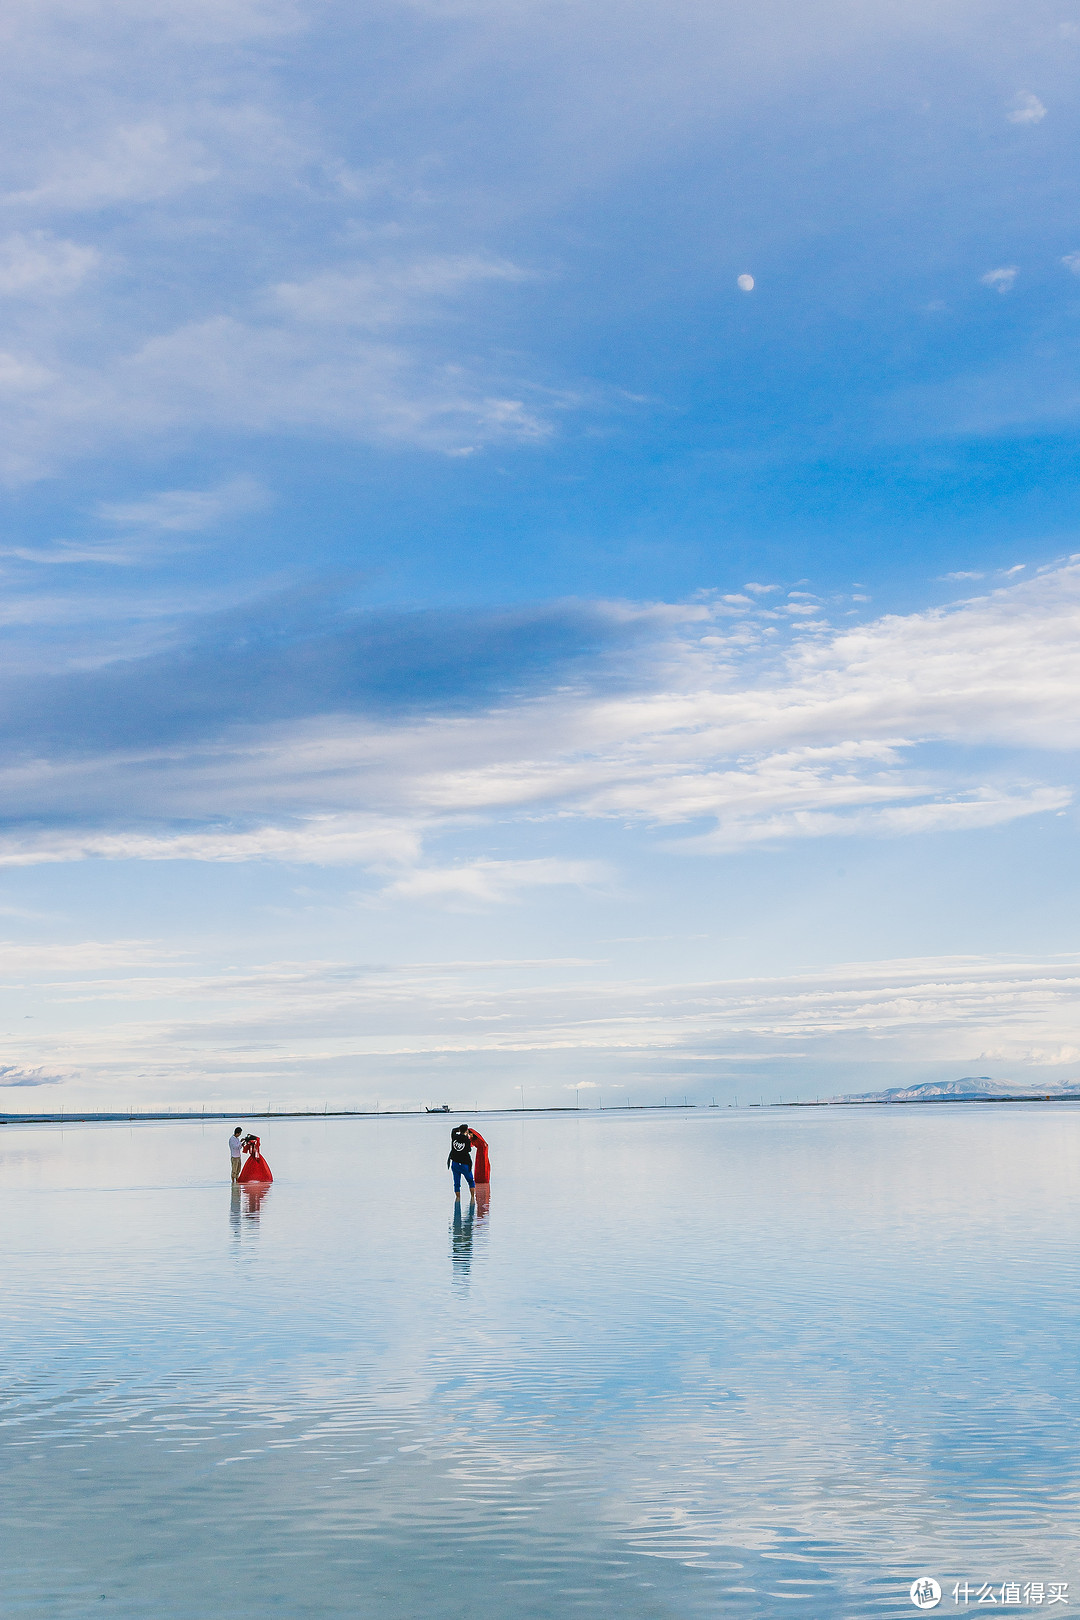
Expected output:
(746, 283)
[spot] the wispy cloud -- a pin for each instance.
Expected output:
(673, 717)
(305, 1026)
(186, 511)
(12, 1075)
(255, 372)
(488, 882)
(1026, 108)
(385, 294)
(1002, 280)
(137, 163)
(311, 840)
(150, 527)
(36, 264)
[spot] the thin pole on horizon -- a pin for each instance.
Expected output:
(577, 1097)
(522, 1090)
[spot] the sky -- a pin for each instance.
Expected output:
(539, 550)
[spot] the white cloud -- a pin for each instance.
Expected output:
(492, 882)
(168, 1022)
(823, 739)
(35, 264)
(186, 511)
(235, 374)
(36, 23)
(983, 809)
(1026, 109)
(388, 294)
(289, 373)
(136, 163)
(312, 840)
(22, 376)
(12, 1075)
(149, 527)
(1001, 280)
(1071, 261)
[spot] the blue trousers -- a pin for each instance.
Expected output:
(459, 1171)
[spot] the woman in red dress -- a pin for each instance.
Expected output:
(481, 1165)
(256, 1168)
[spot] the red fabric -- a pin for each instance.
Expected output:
(256, 1168)
(481, 1165)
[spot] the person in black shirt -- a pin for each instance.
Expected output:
(459, 1159)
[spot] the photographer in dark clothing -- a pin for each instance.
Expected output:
(459, 1159)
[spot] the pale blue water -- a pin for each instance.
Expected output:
(752, 1364)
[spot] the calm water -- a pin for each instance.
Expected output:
(682, 1365)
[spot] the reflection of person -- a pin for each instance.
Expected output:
(235, 1154)
(256, 1168)
(459, 1159)
(482, 1166)
(462, 1239)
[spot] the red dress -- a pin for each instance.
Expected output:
(256, 1168)
(482, 1165)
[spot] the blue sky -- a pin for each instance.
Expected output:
(461, 637)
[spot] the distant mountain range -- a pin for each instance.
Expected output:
(971, 1087)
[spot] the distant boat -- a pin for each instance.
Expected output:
(445, 1109)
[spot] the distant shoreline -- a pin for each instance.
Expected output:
(64, 1118)
(162, 1115)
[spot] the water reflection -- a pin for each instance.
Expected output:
(245, 1204)
(253, 1200)
(461, 1239)
(465, 1226)
(828, 1359)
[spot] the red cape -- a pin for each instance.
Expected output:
(256, 1169)
(482, 1165)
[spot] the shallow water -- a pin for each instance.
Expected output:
(755, 1363)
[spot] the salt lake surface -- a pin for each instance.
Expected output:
(751, 1363)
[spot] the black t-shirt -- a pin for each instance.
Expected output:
(460, 1148)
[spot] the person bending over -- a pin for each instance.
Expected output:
(459, 1159)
